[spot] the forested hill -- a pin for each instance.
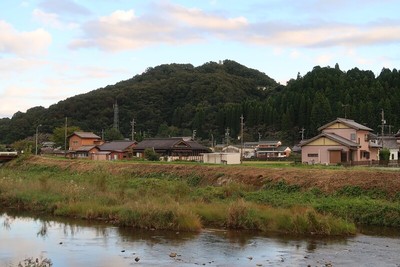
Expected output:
(173, 100)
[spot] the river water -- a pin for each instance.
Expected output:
(79, 243)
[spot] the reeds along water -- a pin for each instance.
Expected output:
(155, 202)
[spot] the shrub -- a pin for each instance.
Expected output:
(384, 154)
(151, 155)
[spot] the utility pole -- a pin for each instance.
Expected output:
(241, 138)
(383, 125)
(36, 139)
(259, 137)
(302, 133)
(65, 137)
(227, 136)
(133, 129)
(116, 116)
(193, 134)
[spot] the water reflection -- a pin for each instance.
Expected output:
(83, 243)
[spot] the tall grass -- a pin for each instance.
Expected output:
(158, 201)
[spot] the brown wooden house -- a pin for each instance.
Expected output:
(114, 150)
(176, 148)
(82, 143)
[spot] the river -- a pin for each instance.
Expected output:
(81, 243)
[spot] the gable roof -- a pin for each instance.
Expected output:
(388, 142)
(333, 137)
(347, 122)
(119, 145)
(84, 148)
(169, 143)
(85, 135)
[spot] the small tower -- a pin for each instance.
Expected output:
(116, 118)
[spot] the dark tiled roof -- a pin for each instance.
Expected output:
(116, 145)
(349, 123)
(333, 137)
(86, 135)
(84, 148)
(169, 143)
(389, 142)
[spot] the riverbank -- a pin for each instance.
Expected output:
(188, 197)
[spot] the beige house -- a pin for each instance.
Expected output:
(340, 141)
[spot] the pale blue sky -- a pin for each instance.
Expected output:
(54, 49)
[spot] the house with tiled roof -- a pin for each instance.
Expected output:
(113, 150)
(176, 148)
(81, 144)
(340, 141)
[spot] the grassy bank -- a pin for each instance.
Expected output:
(167, 201)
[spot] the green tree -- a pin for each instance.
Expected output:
(59, 135)
(26, 146)
(321, 112)
(113, 134)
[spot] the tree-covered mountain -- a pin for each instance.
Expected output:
(175, 99)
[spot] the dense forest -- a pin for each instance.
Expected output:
(175, 99)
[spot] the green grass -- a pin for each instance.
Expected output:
(166, 201)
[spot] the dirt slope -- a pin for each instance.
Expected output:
(328, 180)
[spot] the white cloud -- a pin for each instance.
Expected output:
(172, 24)
(167, 23)
(52, 19)
(324, 59)
(19, 98)
(119, 16)
(16, 66)
(295, 54)
(23, 43)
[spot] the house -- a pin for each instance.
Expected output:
(272, 149)
(82, 143)
(249, 150)
(340, 141)
(176, 148)
(114, 150)
(392, 143)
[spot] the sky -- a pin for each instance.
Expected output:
(54, 49)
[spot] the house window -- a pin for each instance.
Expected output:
(366, 137)
(313, 155)
(353, 137)
(75, 143)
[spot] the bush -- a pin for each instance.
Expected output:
(151, 155)
(384, 154)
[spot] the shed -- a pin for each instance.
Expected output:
(222, 158)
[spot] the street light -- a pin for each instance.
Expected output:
(36, 139)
